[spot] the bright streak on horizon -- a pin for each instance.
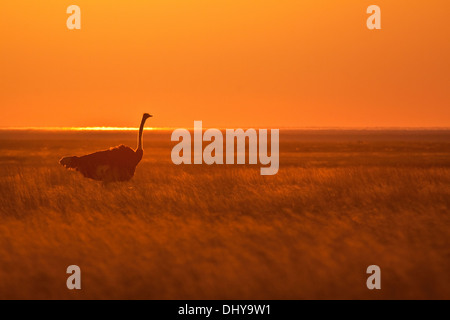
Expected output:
(81, 128)
(104, 128)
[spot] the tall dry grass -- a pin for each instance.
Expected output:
(336, 206)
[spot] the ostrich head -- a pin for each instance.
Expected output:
(145, 116)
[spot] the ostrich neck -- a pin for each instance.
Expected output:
(141, 130)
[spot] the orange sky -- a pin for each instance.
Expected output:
(230, 63)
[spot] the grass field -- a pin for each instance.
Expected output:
(341, 201)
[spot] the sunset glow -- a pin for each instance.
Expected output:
(231, 64)
(293, 150)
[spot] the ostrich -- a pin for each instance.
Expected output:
(115, 164)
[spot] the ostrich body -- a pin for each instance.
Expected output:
(116, 164)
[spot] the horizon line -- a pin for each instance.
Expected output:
(107, 128)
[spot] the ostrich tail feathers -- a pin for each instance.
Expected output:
(69, 162)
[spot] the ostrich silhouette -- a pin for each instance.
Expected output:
(116, 164)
